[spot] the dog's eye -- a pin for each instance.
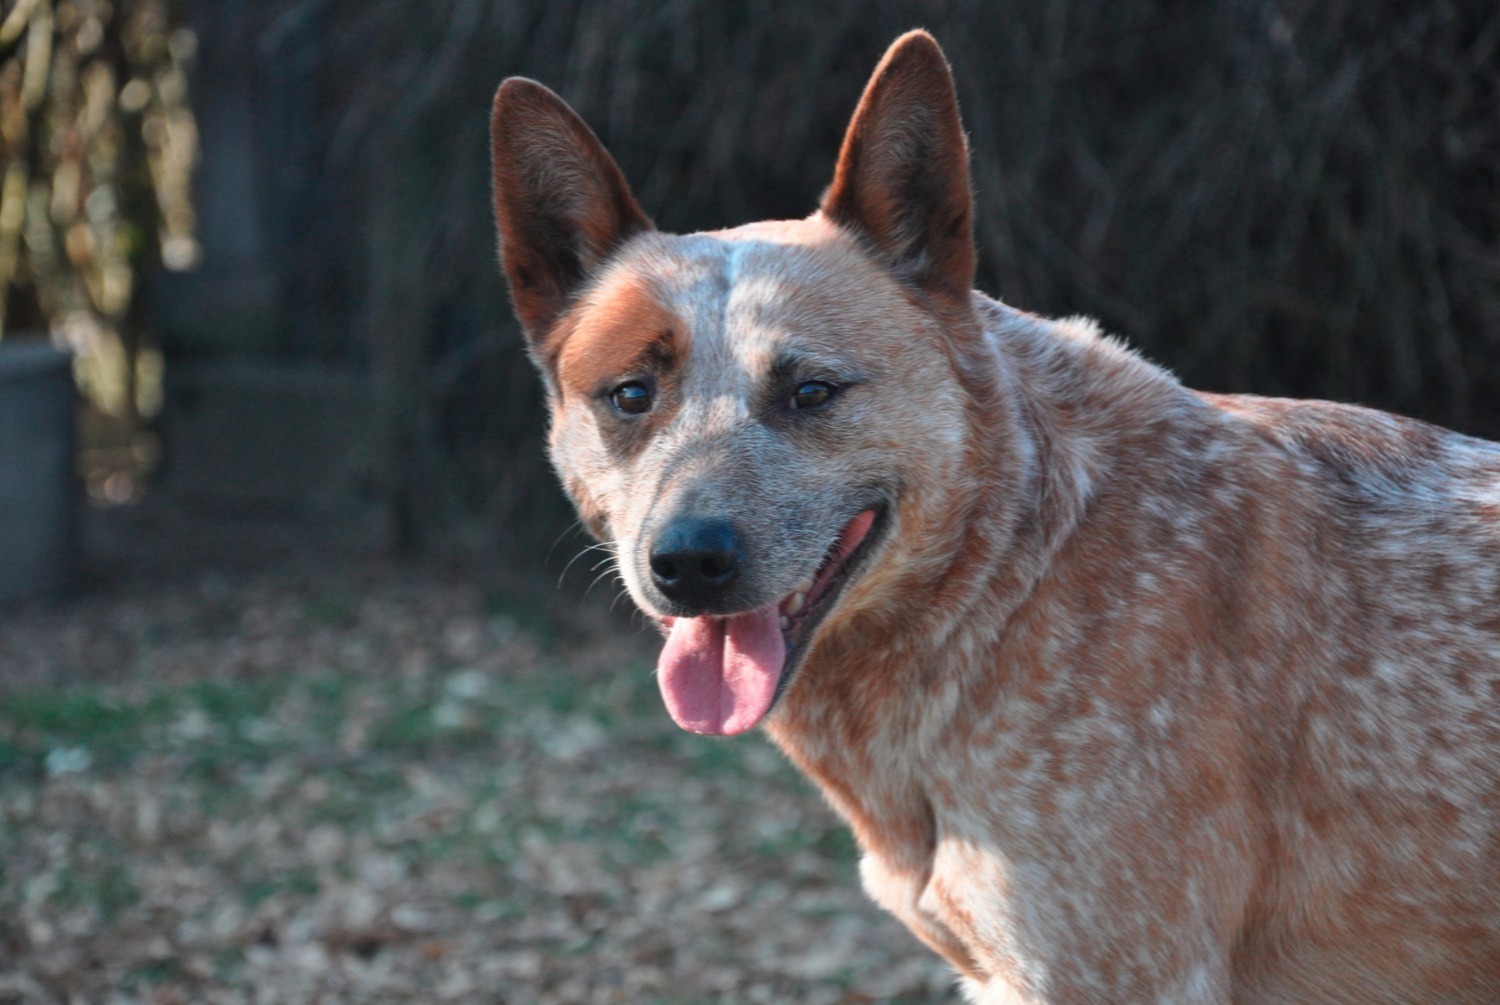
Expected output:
(633, 398)
(812, 393)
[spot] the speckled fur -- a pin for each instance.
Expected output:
(1146, 695)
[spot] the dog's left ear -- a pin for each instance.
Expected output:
(902, 180)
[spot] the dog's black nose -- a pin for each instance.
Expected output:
(695, 561)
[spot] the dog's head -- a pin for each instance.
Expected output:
(750, 416)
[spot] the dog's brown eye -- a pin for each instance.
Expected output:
(633, 398)
(812, 393)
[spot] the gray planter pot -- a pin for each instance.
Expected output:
(38, 487)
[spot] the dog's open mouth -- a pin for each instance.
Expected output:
(721, 675)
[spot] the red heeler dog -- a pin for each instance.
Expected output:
(1130, 693)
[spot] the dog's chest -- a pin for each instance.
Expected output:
(981, 810)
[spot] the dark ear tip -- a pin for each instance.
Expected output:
(918, 40)
(916, 47)
(518, 95)
(513, 88)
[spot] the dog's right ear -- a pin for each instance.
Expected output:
(902, 181)
(561, 203)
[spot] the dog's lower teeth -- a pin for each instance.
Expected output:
(796, 603)
(786, 622)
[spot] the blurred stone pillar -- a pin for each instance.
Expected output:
(38, 484)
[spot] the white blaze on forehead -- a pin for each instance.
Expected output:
(748, 329)
(724, 296)
(718, 377)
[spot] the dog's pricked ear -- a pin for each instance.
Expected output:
(561, 203)
(902, 180)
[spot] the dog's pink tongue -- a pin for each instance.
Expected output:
(718, 675)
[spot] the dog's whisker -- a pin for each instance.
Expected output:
(596, 581)
(574, 526)
(606, 547)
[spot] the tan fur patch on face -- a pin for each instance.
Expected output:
(622, 330)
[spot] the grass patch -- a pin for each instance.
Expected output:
(34, 723)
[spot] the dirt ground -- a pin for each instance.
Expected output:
(312, 778)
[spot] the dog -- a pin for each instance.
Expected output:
(1130, 693)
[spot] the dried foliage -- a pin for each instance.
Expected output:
(97, 143)
(365, 785)
(1289, 198)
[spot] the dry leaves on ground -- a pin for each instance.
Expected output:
(362, 783)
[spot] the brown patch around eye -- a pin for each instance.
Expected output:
(622, 331)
